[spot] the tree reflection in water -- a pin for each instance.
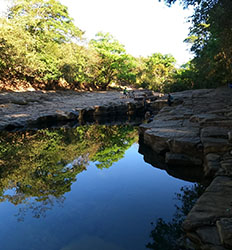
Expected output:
(169, 235)
(38, 167)
(38, 209)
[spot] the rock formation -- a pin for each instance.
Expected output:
(40, 109)
(196, 131)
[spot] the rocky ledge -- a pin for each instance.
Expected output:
(196, 131)
(38, 109)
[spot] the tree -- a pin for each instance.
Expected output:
(113, 64)
(45, 20)
(156, 71)
(114, 141)
(44, 31)
(214, 59)
(211, 40)
(187, 3)
(184, 78)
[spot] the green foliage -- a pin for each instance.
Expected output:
(156, 72)
(45, 20)
(112, 63)
(45, 42)
(47, 52)
(214, 59)
(210, 36)
(35, 165)
(183, 79)
(186, 3)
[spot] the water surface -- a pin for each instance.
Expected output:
(83, 188)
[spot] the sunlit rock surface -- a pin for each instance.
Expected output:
(196, 131)
(40, 108)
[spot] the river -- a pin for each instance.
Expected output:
(82, 188)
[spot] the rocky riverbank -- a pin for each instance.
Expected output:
(35, 109)
(196, 131)
(192, 140)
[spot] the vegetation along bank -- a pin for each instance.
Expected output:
(51, 52)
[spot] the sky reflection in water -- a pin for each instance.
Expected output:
(109, 208)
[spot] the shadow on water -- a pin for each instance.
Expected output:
(169, 235)
(54, 121)
(187, 173)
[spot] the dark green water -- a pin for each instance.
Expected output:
(82, 188)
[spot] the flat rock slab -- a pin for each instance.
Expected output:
(20, 108)
(174, 139)
(215, 203)
(197, 131)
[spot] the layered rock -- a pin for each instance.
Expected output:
(194, 135)
(43, 109)
(196, 131)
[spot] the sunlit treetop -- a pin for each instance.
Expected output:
(106, 42)
(45, 17)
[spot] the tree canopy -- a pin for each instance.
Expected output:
(45, 20)
(156, 72)
(44, 33)
(113, 62)
(51, 53)
(211, 39)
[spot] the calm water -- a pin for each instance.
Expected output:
(54, 199)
